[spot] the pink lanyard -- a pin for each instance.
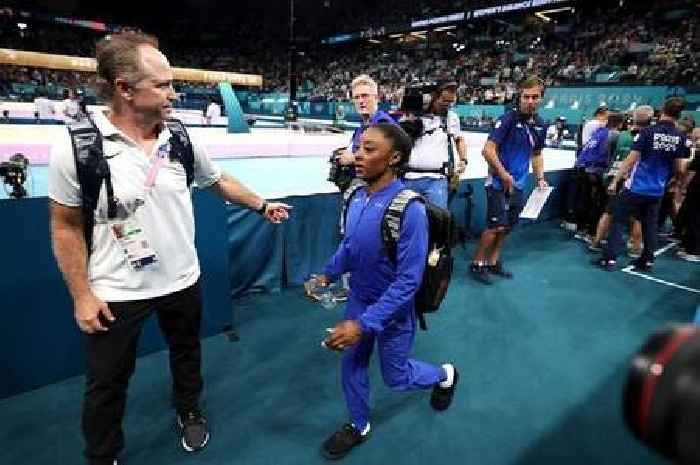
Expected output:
(160, 160)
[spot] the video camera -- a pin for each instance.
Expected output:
(14, 173)
(417, 97)
(415, 103)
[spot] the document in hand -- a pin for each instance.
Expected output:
(534, 204)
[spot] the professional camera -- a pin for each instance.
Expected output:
(415, 103)
(417, 97)
(662, 395)
(339, 174)
(14, 173)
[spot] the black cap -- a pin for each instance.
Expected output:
(600, 109)
(447, 84)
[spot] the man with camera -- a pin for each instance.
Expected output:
(434, 166)
(122, 229)
(517, 138)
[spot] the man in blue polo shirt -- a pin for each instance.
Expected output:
(365, 95)
(517, 138)
(656, 151)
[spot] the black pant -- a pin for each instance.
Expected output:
(643, 207)
(572, 193)
(591, 198)
(689, 221)
(111, 357)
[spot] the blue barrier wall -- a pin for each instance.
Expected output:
(265, 258)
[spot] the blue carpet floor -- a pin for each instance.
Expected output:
(543, 360)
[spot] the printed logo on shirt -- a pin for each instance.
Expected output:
(666, 142)
(498, 124)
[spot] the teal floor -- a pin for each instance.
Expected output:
(542, 359)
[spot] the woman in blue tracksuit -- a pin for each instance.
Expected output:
(380, 305)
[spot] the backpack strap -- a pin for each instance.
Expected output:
(92, 171)
(450, 169)
(181, 147)
(348, 195)
(393, 218)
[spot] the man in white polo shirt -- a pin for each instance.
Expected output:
(137, 254)
(213, 112)
(441, 134)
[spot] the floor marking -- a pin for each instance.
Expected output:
(664, 249)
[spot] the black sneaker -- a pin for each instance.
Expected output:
(341, 442)
(595, 248)
(441, 398)
(480, 273)
(606, 264)
(195, 434)
(498, 270)
(642, 265)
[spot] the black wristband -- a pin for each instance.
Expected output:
(262, 209)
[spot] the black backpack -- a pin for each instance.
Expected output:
(439, 261)
(93, 170)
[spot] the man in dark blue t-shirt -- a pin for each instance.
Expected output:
(517, 138)
(654, 156)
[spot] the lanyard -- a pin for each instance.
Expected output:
(161, 159)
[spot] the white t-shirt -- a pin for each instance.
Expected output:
(165, 215)
(213, 112)
(430, 150)
(44, 107)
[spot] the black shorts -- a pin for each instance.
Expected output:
(503, 210)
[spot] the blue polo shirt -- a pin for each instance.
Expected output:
(517, 140)
(595, 153)
(658, 146)
(379, 117)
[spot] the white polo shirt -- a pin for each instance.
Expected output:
(164, 212)
(213, 112)
(430, 150)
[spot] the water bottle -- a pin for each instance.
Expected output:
(327, 298)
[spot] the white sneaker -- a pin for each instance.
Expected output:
(688, 257)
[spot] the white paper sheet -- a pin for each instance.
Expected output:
(534, 204)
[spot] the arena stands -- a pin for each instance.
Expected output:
(486, 58)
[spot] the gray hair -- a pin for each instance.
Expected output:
(364, 80)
